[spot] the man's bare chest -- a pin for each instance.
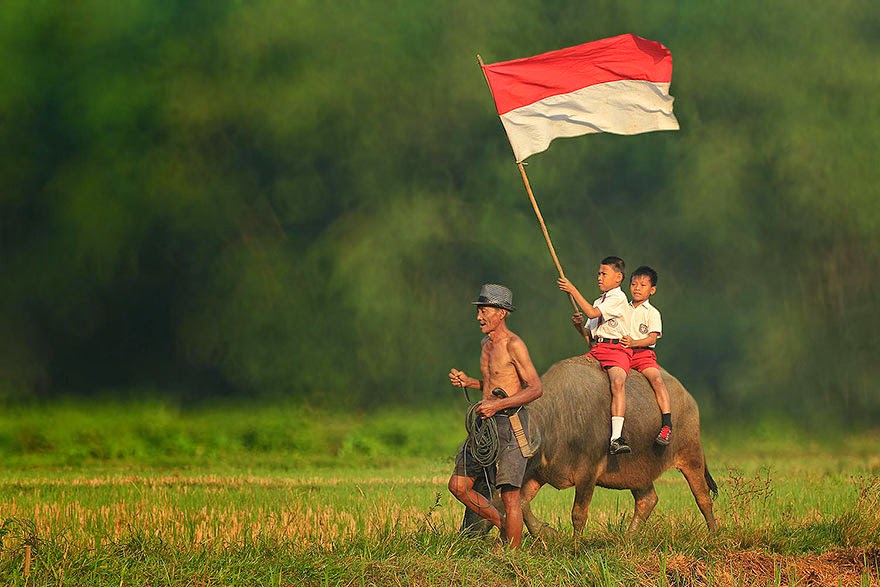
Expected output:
(496, 361)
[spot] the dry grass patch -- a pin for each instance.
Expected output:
(842, 567)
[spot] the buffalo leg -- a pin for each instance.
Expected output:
(583, 494)
(645, 500)
(694, 473)
(537, 528)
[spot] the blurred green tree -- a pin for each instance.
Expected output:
(271, 198)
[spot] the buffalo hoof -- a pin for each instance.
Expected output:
(474, 525)
(545, 530)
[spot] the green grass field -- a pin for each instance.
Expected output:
(148, 495)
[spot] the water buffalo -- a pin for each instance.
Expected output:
(573, 416)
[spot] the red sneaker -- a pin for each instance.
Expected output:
(664, 436)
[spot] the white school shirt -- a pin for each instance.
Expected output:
(614, 322)
(645, 319)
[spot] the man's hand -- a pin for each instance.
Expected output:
(488, 407)
(458, 378)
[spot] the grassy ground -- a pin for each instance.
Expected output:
(150, 496)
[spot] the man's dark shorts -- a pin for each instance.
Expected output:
(510, 468)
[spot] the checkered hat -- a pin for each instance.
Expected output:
(496, 295)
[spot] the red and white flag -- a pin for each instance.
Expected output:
(618, 85)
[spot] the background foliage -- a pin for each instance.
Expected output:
(271, 198)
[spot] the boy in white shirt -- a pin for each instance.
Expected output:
(608, 325)
(645, 323)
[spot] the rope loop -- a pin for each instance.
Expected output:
(482, 442)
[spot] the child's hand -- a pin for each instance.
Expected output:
(578, 319)
(626, 342)
(565, 285)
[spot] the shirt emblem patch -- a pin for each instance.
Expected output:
(612, 323)
(643, 328)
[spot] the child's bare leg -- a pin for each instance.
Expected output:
(660, 392)
(652, 374)
(617, 377)
(618, 391)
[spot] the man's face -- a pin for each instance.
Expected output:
(489, 318)
(640, 288)
(608, 278)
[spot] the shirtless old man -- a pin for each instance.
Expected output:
(504, 364)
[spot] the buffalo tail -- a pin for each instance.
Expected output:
(713, 487)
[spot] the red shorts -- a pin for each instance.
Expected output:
(611, 355)
(644, 359)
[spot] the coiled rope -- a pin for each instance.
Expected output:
(482, 442)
